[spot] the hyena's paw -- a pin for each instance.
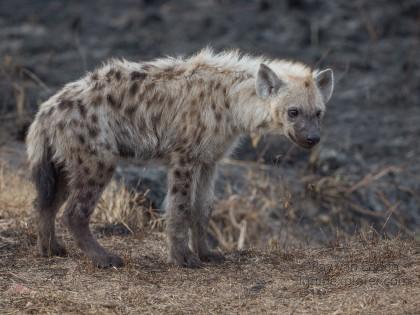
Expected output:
(51, 249)
(212, 257)
(107, 261)
(185, 259)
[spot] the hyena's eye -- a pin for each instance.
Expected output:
(318, 113)
(293, 113)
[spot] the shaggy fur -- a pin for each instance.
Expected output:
(186, 113)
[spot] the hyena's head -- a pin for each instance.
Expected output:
(298, 104)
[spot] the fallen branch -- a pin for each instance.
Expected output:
(371, 178)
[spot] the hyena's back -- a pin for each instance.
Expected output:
(134, 110)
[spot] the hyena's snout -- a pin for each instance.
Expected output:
(313, 138)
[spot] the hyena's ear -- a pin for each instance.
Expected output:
(267, 83)
(325, 81)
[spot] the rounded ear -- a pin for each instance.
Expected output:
(267, 83)
(325, 81)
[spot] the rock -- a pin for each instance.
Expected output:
(144, 179)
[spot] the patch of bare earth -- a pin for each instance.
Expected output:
(363, 275)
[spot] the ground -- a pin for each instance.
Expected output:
(362, 274)
(362, 277)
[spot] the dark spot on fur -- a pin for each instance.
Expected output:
(306, 84)
(201, 95)
(218, 116)
(98, 86)
(50, 111)
(182, 161)
(93, 131)
(82, 109)
(134, 88)
(130, 110)
(187, 174)
(60, 125)
(79, 160)
(227, 106)
(136, 75)
(186, 185)
(94, 118)
(93, 151)
(156, 118)
(86, 170)
(101, 166)
(82, 139)
(174, 190)
(91, 182)
(213, 106)
(118, 75)
(97, 100)
(85, 211)
(108, 146)
(184, 192)
(109, 75)
(111, 169)
(94, 76)
(111, 100)
(177, 173)
(65, 104)
(125, 151)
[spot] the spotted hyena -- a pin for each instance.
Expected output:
(185, 112)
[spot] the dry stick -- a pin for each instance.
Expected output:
(364, 211)
(36, 79)
(219, 236)
(368, 22)
(20, 101)
(240, 226)
(391, 211)
(322, 58)
(370, 178)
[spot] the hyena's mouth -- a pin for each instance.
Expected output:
(299, 143)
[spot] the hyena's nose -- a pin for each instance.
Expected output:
(312, 139)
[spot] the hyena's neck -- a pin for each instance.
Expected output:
(249, 113)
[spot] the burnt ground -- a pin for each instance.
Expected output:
(365, 175)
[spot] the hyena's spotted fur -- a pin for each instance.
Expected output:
(187, 113)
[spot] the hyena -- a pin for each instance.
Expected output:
(186, 113)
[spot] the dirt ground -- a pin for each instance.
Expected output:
(367, 276)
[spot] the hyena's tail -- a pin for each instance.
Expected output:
(43, 170)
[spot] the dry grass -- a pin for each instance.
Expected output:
(362, 275)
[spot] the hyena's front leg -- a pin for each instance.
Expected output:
(203, 205)
(178, 209)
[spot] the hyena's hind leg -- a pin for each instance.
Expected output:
(203, 205)
(85, 192)
(46, 214)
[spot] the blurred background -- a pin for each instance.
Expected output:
(365, 175)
